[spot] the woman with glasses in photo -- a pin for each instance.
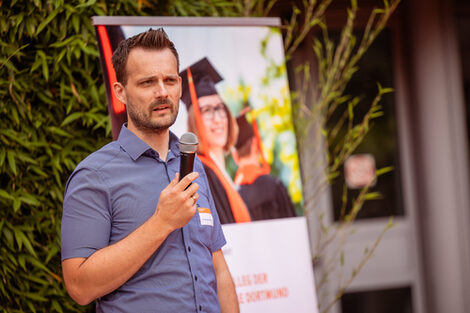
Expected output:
(210, 119)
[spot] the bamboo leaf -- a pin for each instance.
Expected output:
(373, 196)
(63, 43)
(36, 263)
(5, 195)
(38, 171)
(72, 117)
(34, 296)
(87, 4)
(25, 158)
(11, 161)
(14, 114)
(22, 261)
(35, 279)
(29, 199)
(9, 236)
(75, 23)
(52, 252)
(58, 131)
(56, 306)
(19, 238)
(27, 244)
(31, 306)
(333, 175)
(16, 204)
(3, 153)
(384, 170)
(46, 21)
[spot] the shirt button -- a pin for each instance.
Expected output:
(195, 277)
(200, 308)
(189, 249)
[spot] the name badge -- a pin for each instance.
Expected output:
(206, 217)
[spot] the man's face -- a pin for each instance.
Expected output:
(152, 91)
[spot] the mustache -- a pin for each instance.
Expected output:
(158, 102)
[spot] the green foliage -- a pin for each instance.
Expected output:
(54, 113)
(225, 8)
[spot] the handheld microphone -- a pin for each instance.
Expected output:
(188, 147)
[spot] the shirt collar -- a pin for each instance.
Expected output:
(174, 146)
(135, 147)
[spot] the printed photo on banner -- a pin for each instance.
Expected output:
(235, 98)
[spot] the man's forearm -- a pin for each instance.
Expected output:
(107, 269)
(225, 286)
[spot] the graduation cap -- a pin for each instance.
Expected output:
(245, 130)
(204, 77)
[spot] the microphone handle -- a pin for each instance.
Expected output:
(186, 164)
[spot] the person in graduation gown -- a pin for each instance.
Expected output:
(210, 119)
(265, 195)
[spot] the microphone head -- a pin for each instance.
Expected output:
(188, 143)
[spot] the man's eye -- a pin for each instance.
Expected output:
(146, 82)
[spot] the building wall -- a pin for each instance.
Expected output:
(441, 158)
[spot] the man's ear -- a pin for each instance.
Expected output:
(181, 86)
(120, 92)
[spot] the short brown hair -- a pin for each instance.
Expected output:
(232, 129)
(151, 39)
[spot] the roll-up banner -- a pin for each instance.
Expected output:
(236, 95)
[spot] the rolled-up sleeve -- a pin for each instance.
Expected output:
(86, 217)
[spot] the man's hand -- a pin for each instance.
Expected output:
(177, 205)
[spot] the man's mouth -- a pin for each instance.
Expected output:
(161, 107)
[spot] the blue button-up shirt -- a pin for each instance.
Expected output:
(114, 191)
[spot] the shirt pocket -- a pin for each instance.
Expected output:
(204, 221)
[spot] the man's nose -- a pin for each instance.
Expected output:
(160, 90)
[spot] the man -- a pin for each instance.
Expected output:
(265, 195)
(132, 237)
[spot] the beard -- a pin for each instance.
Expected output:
(144, 120)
